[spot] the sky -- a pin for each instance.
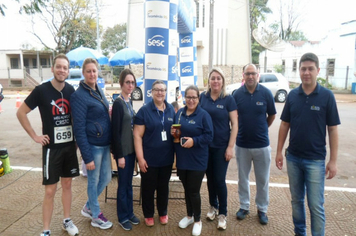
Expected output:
(318, 17)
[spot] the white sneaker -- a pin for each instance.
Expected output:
(222, 222)
(212, 213)
(185, 222)
(197, 228)
(70, 227)
(101, 222)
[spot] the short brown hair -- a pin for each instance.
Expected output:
(309, 57)
(60, 56)
(123, 75)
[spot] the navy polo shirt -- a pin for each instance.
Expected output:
(252, 115)
(157, 153)
(219, 112)
(198, 126)
(308, 116)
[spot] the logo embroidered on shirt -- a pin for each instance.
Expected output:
(191, 122)
(170, 119)
(220, 106)
(315, 108)
(259, 103)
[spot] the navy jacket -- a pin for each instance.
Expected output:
(199, 127)
(91, 120)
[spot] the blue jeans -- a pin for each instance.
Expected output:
(307, 176)
(261, 159)
(216, 175)
(124, 190)
(98, 178)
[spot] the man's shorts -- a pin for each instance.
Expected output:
(59, 162)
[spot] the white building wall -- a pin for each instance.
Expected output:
(339, 45)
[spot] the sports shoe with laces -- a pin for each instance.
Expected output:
(69, 226)
(101, 222)
(212, 213)
(46, 233)
(86, 212)
(126, 225)
(263, 217)
(222, 222)
(241, 214)
(134, 220)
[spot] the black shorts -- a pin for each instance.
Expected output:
(59, 162)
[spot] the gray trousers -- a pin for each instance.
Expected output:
(261, 159)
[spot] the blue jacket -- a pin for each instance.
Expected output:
(91, 120)
(199, 127)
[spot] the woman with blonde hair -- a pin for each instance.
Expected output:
(223, 111)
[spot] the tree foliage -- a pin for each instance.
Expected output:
(114, 39)
(32, 7)
(71, 24)
(290, 17)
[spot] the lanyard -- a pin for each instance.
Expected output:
(162, 121)
(179, 117)
(129, 108)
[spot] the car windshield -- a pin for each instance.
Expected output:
(75, 74)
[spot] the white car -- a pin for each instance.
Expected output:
(275, 82)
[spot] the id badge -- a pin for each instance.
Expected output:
(164, 135)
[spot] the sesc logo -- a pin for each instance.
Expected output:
(149, 93)
(186, 40)
(175, 18)
(187, 69)
(174, 69)
(156, 41)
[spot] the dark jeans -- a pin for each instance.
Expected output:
(216, 175)
(124, 190)
(191, 181)
(156, 178)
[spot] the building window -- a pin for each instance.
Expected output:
(43, 62)
(331, 67)
(14, 62)
(295, 65)
(34, 63)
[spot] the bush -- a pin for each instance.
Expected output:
(322, 82)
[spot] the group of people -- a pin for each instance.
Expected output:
(212, 124)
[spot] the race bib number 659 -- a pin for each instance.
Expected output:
(63, 134)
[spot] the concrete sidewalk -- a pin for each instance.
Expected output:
(21, 195)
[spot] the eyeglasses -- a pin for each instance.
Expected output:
(191, 98)
(159, 90)
(130, 82)
(250, 73)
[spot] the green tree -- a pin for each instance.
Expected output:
(70, 22)
(290, 17)
(258, 14)
(114, 39)
(32, 7)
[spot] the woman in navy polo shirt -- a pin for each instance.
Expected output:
(192, 156)
(223, 111)
(154, 152)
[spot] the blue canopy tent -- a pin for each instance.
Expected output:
(77, 56)
(126, 56)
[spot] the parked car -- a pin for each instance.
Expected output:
(275, 82)
(137, 93)
(75, 75)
